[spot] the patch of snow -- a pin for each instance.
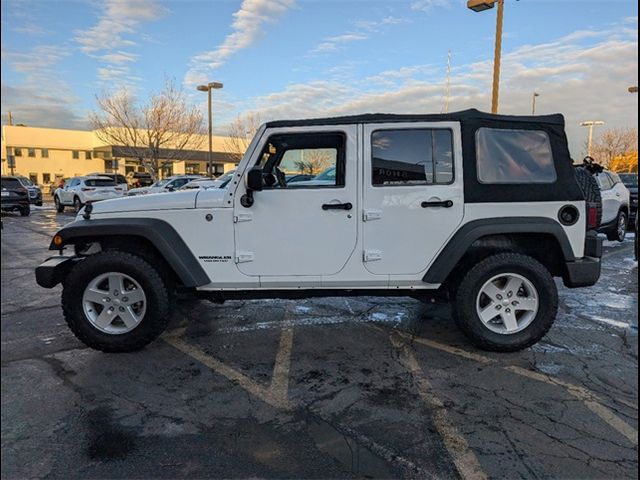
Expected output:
(608, 321)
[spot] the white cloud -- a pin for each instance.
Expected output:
(37, 59)
(331, 44)
(119, 57)
(426, 5)
(247, 27)
(119, 18)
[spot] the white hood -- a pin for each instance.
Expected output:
(153, 201)
(210, 198)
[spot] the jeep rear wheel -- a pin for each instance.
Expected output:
(115, 302)
(506, 302)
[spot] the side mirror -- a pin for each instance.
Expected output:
(253, 180)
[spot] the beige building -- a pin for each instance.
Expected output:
(47, 155)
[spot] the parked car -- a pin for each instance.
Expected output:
(324, 178)
(616, 205)
(199, 183)
(35, 193)
(77, 191)
(487, 226)
(120, 180)
(14, 196)
(139, 179)
(223, 179)
(168, 184)
(630, 180)
(298, 177)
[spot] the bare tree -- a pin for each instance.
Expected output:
(239, 134)
(158, 132)
(314, 161)
(614, 143)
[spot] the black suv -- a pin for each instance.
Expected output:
(15, 196)
(630, 180)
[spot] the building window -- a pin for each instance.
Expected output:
(75, 154)
(34, 178)
(411, 157)
(192, 168)
(17, 152)
(218, 169)
(44, 152)
(87, 155)
(46, 178)
(31, 152)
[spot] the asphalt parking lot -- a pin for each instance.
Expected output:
(325, 388)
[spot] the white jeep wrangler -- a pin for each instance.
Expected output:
(481, 209)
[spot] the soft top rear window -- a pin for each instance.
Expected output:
(514, 156)
(100, 182)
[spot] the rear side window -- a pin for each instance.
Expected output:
(120, 179)
(411, 157)
(100, 182)
(10, 183)
(514, 156)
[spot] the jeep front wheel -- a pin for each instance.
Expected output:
(506, 302)
(115, 302)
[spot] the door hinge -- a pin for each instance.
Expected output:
(372, 255)
(243, 257)
(242, 217)
(368, 215)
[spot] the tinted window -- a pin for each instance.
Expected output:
(629, 179)
(121, 179)
(10, 183)
(411, 157)
(514, 156)
(100, 182)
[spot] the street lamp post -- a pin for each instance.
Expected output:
(590, 124)
(208, 88)
(480, 6)
(533, 103)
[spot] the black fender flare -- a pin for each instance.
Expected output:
(458, 245)
(161, 235)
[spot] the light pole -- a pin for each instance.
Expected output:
(480, 6)
(590, 124)
(207, 88)
(533, 103)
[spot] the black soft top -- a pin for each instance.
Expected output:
(462, 116)
(565, 188)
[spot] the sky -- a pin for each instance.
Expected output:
(310, 58)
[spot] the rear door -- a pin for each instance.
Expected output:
(412, 194)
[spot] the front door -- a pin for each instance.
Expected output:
(303, 222)
(412, 194)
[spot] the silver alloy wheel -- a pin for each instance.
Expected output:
(622, 226)
(114, 303)
(507, 303)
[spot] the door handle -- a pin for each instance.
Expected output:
(444, 204)
(337, 206)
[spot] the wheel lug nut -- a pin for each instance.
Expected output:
(514, 303)
(115, 293)
(106, 299)
(125, 299)
(510, 294)
(499, 297)
(508, 310)
(121, 309)
(498, 307)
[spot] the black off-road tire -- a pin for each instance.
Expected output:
(613, 234)
(464, 302)
(158, 299)
(591, 191)
(58, 204)
(25, 211)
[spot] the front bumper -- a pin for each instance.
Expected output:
(52, 271)
(585, 271)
